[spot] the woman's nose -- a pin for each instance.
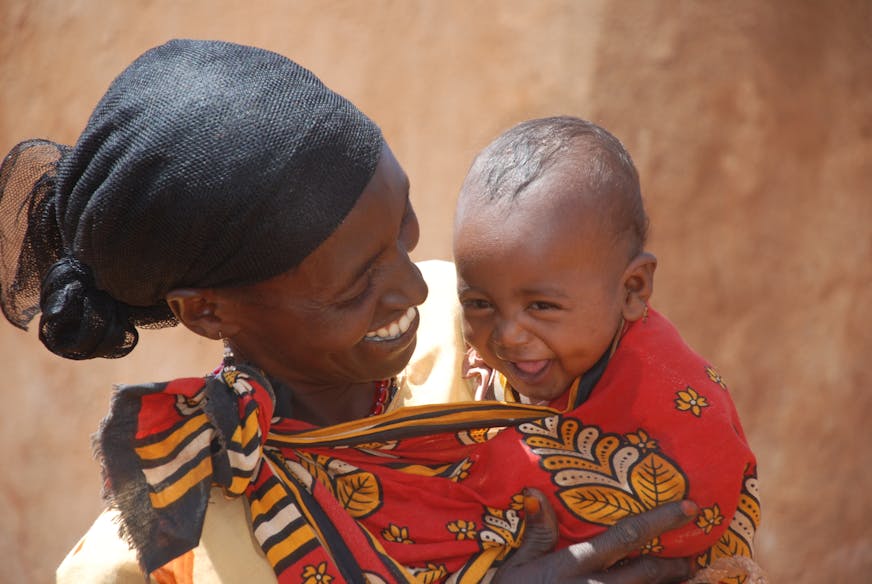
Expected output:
(407, 287)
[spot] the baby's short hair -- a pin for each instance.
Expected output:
(524, 153)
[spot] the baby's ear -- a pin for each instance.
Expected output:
(195, 308)
(638, 282)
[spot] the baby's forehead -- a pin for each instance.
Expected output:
(563, 199)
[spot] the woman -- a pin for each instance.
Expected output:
(224, 187)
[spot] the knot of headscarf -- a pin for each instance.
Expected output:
(79, 321)
(163, 446)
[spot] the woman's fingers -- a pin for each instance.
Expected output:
(590, 561)
(627, 536)
(645, 570)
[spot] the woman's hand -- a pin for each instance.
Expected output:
(590, 561)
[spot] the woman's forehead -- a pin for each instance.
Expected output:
(369, 229)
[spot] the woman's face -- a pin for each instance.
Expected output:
(347, 313)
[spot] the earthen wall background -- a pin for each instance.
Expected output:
(751, 125)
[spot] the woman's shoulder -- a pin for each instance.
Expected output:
(101, 555)
(227, 552)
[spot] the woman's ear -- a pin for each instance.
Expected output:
(195, 308)
(638, 283)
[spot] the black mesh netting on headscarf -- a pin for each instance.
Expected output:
(206, 164)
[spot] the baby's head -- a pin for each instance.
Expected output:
(549, 241)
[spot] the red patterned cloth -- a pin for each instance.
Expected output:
(425, 492)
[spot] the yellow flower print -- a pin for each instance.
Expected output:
(715, 376)
(462, 529)
(709, 517)
(652, 547)
(316, 574)
(688, 399)
(642, 441)
(397, 534)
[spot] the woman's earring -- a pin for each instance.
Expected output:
(229, 361)
(645, 313)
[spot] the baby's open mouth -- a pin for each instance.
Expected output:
(531, 368)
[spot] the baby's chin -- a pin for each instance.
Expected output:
(537, 382)
(539, 396)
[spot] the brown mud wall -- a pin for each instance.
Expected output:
(751, 124)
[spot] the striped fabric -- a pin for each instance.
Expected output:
(435, 493)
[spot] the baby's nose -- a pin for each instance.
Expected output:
(509, 334)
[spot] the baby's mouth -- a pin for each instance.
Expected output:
(531, 368)
(395, 329)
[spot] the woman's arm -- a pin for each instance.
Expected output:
(593, 561)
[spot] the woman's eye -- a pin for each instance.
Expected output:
(358, 296)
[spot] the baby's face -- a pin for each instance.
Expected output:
(541, 288)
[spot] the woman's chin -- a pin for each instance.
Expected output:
(388, 358)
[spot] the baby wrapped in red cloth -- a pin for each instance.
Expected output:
(554, 282)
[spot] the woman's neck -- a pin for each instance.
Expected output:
(324, 406)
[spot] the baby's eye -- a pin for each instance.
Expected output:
(475, 304)
(542, 305)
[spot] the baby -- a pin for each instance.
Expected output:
(554, 283)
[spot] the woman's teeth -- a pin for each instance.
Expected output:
(395, 329)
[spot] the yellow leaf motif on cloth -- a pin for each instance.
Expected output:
(657, 481)
(601, 505)
(359, 493)
(602, 478)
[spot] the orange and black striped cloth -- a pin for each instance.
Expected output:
(425, 493)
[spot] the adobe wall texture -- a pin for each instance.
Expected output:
(750, 123)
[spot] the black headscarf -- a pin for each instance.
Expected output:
(206, 164)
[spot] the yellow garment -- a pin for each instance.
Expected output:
(434, 374)
(228, 552)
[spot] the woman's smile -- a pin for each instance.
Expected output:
(394, 330)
